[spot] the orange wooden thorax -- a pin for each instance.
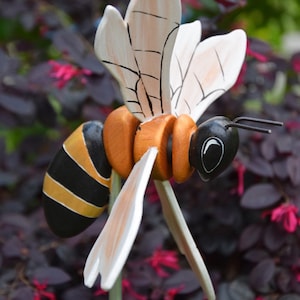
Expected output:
(126, 140)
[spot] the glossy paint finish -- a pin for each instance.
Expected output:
(76, 185)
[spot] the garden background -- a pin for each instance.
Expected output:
(245, 222)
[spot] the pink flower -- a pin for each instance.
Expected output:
(63, 73)
(240, 169)
(163, 258)
(292, 125)
(296, 271)
(259, 298)
(127, 288)
(40, 291)
(171, 293)
(286, 214)
(296, 62)
(100, 292)
(152, 195)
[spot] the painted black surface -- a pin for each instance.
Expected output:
(65, 170)
(216, 159)
(92, 132)
(62, 221)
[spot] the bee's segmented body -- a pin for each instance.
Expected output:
(76, 185)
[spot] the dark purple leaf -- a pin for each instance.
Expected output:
(260, 167)
(17, 220)
(91, 63)
(262, 274)
(102, 89)
(296, 146)
(22, 293)
(39, 77)
(70, 43)
(152, 240)
(51, 275)
(7, 276)
(274, 238)
(94, 112)
(8, 65)
(284, 144)
(268, 149)
(37, 258)
(184, 278)
(8, 179)
(227, 245)
(293, 169)
(223, 292)
(71, 100)
(66, 254)
(79, 292)
(280, 169)
(17, 105)
(240, 290)
(260, 46)
(289, 297)
(260, 196)
(295, 286)
(283, 280)
(256, 255)
(250, 236)
(13, 247)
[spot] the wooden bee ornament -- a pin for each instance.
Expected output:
(168, 77)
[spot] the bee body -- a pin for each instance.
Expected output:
(76, 185)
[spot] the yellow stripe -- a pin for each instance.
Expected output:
(77, 150)
(61, 195)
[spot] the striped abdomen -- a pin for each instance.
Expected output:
(76, 185)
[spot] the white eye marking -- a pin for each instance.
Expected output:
(212, 153)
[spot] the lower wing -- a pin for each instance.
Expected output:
(183, 237)
(114, 243)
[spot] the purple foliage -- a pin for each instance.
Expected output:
(249, 240)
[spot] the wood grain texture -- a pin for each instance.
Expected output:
(155, 133)
(118, 135)
(183, 129)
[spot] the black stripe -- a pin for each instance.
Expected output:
(149, 14)
(62, 221)
(92, 132)
(64, 170)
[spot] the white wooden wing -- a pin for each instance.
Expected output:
(137, 51)
(182, 236)
(202, 71)
(114, 243)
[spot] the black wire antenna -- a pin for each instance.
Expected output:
(237, 123)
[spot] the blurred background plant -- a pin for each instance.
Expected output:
(246, 222)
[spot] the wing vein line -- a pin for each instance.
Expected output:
(161, 64)
(186, 72)
(148, 14)
(121, 66)
(140, 75)
(220, 64)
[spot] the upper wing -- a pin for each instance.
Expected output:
(202, 71)
(182, 235)
(113, 245)
(138, 50)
